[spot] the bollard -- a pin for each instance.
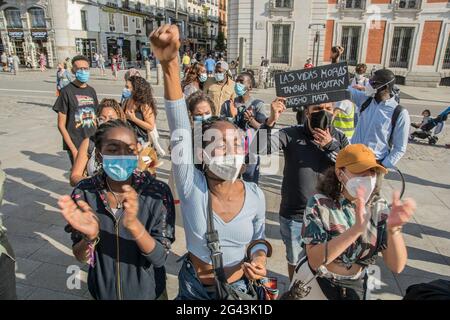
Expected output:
(148, 71)
(159, 75)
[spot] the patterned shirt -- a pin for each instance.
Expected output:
(326, 219)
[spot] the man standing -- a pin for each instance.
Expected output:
(383, 124)
(309, 150)
(101, 64)
(16, 63)
(223, 89)
(249, 114)
(76, 107)
(210, 65)
(7, 259)
(4, 61)
(186, 61)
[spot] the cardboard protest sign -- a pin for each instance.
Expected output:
(318, 85)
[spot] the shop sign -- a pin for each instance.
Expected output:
(39, 35)
(15, 34)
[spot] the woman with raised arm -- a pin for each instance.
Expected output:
(234, 209)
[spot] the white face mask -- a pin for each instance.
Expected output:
(226, 167)
(371, 92)
(368, 183)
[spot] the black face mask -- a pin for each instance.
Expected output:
(321, 120)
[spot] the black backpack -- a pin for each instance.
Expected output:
(435, 290)
(394, 119)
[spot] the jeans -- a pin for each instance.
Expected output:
(251, 174)
(190, 287)
(7, 273)
(291, 233)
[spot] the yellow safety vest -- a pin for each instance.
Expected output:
(345, 123)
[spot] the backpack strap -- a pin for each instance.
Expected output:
(213, 243)
(365, 105)
(398, 110)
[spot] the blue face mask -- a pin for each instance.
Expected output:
(126, 93)
(202, 118)
(82, 76)
(240, 89)
(220, 77)
(119, 168)
(203, 77)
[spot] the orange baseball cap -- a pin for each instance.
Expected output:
(358, 158)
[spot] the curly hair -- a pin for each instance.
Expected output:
(103, 130)
(330, 186)
(361, 68)
(197, 97)
(113, 104)
(192, 75)
(143, 93)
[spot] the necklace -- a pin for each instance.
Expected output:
(116, 197)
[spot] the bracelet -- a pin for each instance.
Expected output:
(91, 242)
(141, 235)
(395, 231)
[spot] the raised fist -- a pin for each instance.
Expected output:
(166, 42)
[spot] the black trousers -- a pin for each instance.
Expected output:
(7, 274)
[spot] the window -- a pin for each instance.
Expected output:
(284, 4)
(37, 17)
(408, 4)
(354, 4)
(446, 64)
(350, 42)
(125, 23)
(83, 20)
(281, 43)
(13, 19)
(138, 23)
(401, 47)
(112, 21)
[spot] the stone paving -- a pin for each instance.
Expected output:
(36, 168)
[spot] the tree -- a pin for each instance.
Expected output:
(220, 42)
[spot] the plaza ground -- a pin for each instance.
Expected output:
(37, 174)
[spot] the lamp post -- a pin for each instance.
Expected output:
(316, 47)
(212, 37)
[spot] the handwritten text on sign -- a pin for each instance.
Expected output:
(314, 86)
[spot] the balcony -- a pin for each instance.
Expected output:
(355, 8)
(281, 8)
(406, 8)
(213, 19)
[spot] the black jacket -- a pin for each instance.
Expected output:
(304, 160)
(121, 270)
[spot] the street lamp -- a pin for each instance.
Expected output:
(316, 47)
(212, 36)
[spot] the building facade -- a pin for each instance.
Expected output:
(26, 29)
(410, 37)
(203, 27)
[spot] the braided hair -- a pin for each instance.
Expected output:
(207, 125)
(99, 136)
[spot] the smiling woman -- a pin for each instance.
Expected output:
(124, 212)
